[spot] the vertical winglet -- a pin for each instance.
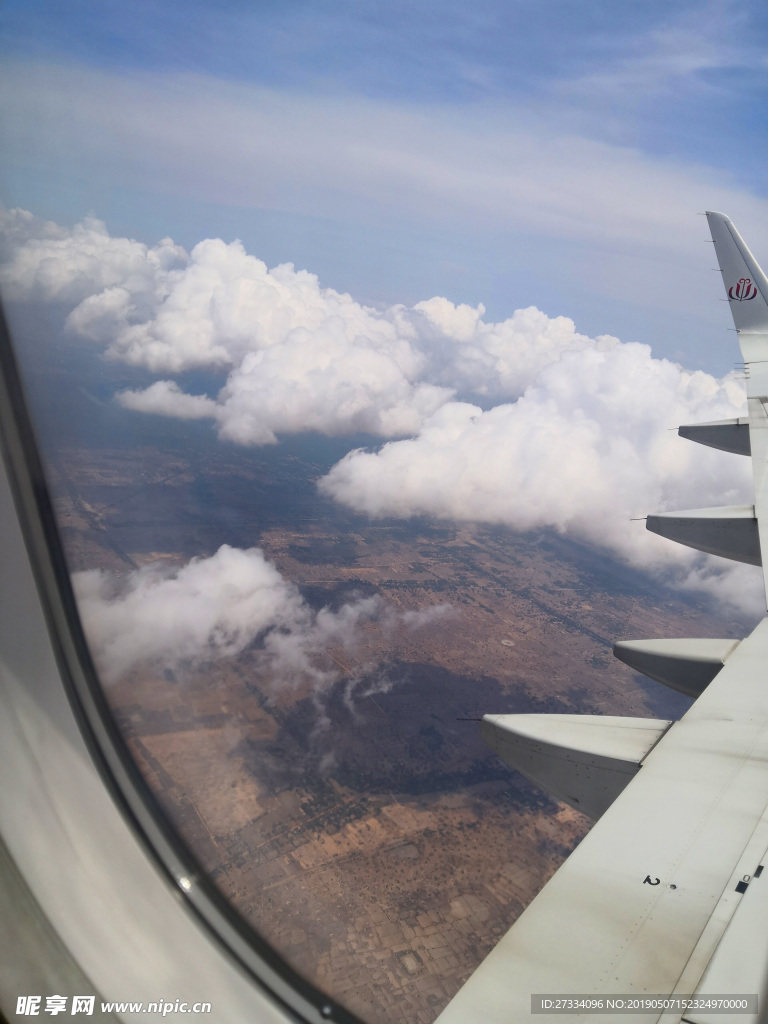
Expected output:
(745, 283)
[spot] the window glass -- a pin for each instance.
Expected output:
(331, 492)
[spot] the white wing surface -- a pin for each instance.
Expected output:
(666, 895)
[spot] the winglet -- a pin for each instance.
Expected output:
(745, 283)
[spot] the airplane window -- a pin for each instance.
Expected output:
(299, 683)
(320, 519)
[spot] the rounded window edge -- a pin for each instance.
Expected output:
(175, 865)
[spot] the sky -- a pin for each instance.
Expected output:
(467, 231)
(520, 153)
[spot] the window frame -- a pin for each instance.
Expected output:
(56, 626)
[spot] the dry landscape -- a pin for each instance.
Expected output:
(364, 830)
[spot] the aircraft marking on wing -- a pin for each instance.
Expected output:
(744, 290)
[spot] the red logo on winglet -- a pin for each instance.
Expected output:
(742, 291)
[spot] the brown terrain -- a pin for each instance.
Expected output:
(364, 830)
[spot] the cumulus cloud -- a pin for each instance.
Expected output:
(569, 431)
(216, 607)
(19, 226)
(165, 398)
(49, 263)
(586, 447)
(299, 356)
(498, 360)
(210, 607)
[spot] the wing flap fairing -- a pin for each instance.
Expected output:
(585, 760)
(685, 665)
(727, 435)
(730, 531)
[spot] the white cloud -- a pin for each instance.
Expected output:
(216, 607)
(342, 377)
(19, 226)
(494, 359)
(49, 263)
(165, 398)
(210, 311)
(580, 440)
(299, 356)
(211, 607)
(586, 447)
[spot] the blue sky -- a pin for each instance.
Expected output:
(548, 153)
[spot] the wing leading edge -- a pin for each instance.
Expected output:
(666, 894)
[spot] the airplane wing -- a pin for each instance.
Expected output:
(666, 896)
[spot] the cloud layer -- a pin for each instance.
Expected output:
(299, 357)
(525, 422)
(585, 447)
